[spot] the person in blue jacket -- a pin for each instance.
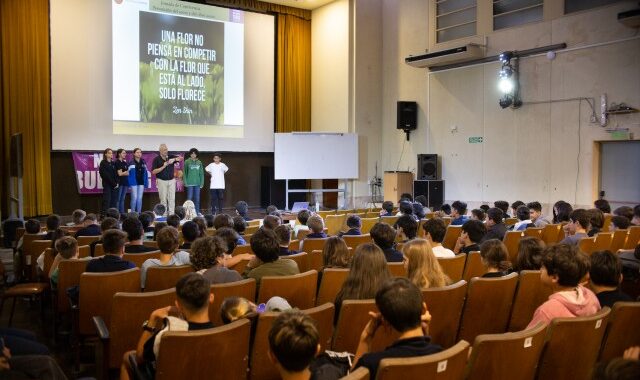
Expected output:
(138, 179)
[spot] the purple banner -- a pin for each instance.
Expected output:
(87, 166)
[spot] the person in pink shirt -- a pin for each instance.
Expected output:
(563, 266)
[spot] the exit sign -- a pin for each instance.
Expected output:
(475, 140)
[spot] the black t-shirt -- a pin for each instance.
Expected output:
(609, 297)
(494, 274)
(138, 249)
(122, 165)
(167, 173)
(471, 248)
(393, 255)
(108, 174)
(404, 348)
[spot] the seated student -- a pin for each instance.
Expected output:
(293, 344)
(385, 237)
(471, 235)
(387, 208)
(190, 232)
(270, 209)
(133, 228)
(157, 227)
(270, 222)
(561, 212)
(224, 220)
(108, 223)
(630, 260)
(577, 227)
(239, 224)
(316, 226)
(619, 223)
(401, 309)
(67, 248)
(421, 199)
(405, 208)
(190, 313)
(478, 214)
(264, 244)
(605, 276)
(335, 253)
(169, 256)
(31, 227)
(53, 223)
(181, 213)
(147, 218)
(530, 249)
(504, 207)
(303, 217)
(458, 213)
(113, 242)
(354, 223)
(524, 219)
(596, 221)
(419, 211)
(535, 212)
(173, 220)
(209, 218)
(406, 228)
(406, 197)
(242, 209)
(189, 211)
(602, 205)
(202, 226)
(636, 216)
(563, 266)
(208, 257)
(434, 230)
(235, 308)
(484, 208)
(230, 237)
(422, 265)
(514, 208)
(625, 211)
(495, 258)
(77, 217)
(113, 213)
(159, 212)
(283, 234)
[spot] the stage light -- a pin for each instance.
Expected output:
(508, 81)
(505, 85)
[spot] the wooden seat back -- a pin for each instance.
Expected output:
(309, 245)
(315, 260)
(150, 243)
(487, 306)
(587, 245)
(362, 373)
(451, 236)
(390, 220)
(453, 266)
(473, 267)
(240, 249)
(294, 245)
(164, 277)
(619, 238)
(187, 354)
(534, 232)
(619, 334)
(36, 249)
(302, 259)
(572, 346)
(607, 222)
(449, 364)
(298, 289)
(87, 240)
(530, 293)
(84, 251)
(140, 258)
(128, 312)
(330, 284)
(323, 315)
(354, 241)
(510, 221)
(334, 223)
(445, 306)
(633, 239)
(397, 269)
(551, 233)
(603, 241)
(368, 223)
(507, 356)
(240, 266)
(69, 272)
(511, 241)
(96, 295)
(250, 230)
(48, 262)
(98, 250)
(324, 214)
(244, 288)
(353, 317)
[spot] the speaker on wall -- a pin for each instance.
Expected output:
(407, 115)
(428, 166)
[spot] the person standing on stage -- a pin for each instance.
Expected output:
(163, 167)
(193, 177)
(109, 181)
(138, 179)
(217, 170)
(122, 170)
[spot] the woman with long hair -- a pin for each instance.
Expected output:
(368, 271)
(495, 258)
(422, 265)
(335, 253)
(530, 251)
(138, 179)
(109, 181)
(122, 171)
(561, 212)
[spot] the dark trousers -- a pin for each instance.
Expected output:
(109, 198)
(217, 195)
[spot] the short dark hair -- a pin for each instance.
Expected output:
(580, 216)
(66, 246)
(502, 205)
(409, 226)
(133, 228)
(406, 208)
(303, 216)
(194, 150)
(636, 211)
(180, 212)
(605, 268)
(113, 213)
(109, 223)
(283, 234)
(242, 208)
(495, 214)
(353, 221)
(113, 241)
(535, 205)
(230, 236)
(625, 211)
(53, 222)
(484, 208)
(460, 207)
(159, 209)
(190, 231)
(387, 206)
(406, 197)
(596, 218)
(421, 199)
(566, 262)
(530, 250)
(146, 218)
(517, 204)
(479, 214)
(616, 368)
(446, 208)
(157, 227)
(173, 220)
(495, 255)
(271, 222)
(523, 212)
(270, 209)
(620, 222)
(475, 229)
(293, 340)
(168, 239)
(32, 226)
(436, 228)
(222, 220)
(264, 243)
(400, 303)
(217, 154)
(209, 218)
(383, 235)
(602, 205)
(239, 224)
(193, 291)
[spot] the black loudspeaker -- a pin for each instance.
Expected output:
(15, 160)
(432, 190)
(407, 116)
(428, 166)
(272, 191)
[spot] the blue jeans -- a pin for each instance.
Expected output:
(136, 198)
(122, 192)
(193, 194)
(216, 200)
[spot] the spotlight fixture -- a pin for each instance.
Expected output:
(508, 83)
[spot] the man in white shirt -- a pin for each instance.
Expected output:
(435, 229)
(216, 188)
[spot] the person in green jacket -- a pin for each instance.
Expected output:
(193, 177)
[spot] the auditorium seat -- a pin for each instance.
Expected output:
(534, 232)
(98, 250)
(607, 222)
(507, 356)
(334, 223)
(354, 241)
(551, 233)
(48, 262)
(323, 315)
(453, 266)
(164, 277)
(250, 230)
(241, 249)
(294, 245)
(421, 232)
(510, 221)
(622, 331)
(368, 223)
(572, 346)
(140, 258)
(587, 245)
(487, 306)
(445, 306)
(298, 289)
(309, 245)
(150, 243)
(450, 237)
(603, 241)
(511, 240)
(324, 214)
(69, 272)
(633, 239)
(36, 248)
(618, 240)
(353, 317)
(301, 259)
(530, 293)
(473, 266)
(315, 259)
(449, 364)
(330, 284)
(362, 373)
(84, 251)
(87, 240)
(243, 288)
(240, 266)
(397, 269)
(390, 220)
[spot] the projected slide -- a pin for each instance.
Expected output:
(177, 69)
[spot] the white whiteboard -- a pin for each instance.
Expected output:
(316, 155)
